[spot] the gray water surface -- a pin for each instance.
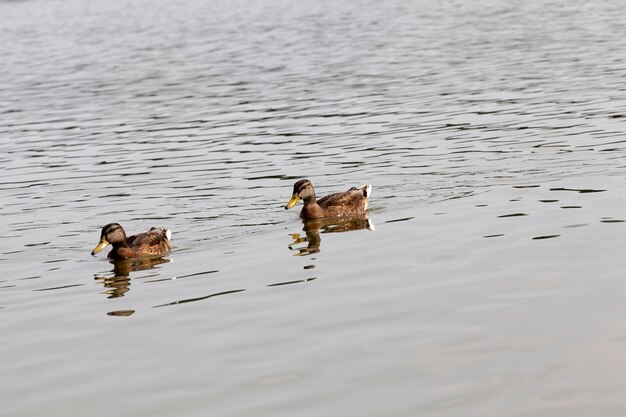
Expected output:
(487, 281)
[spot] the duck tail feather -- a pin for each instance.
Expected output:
(367, 189)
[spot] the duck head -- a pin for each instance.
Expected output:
(111, 234)
(303, 189)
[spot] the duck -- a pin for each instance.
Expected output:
(154, 242)
(348, 203)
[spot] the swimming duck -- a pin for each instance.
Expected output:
(349, 203)
(151, 243)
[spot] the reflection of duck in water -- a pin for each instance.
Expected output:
(118, 284)
(349, 203)
(154, 242)
(313, 227)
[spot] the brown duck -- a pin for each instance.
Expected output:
(349, 203)
(154, 242)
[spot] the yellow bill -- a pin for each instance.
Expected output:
(103, 244)
(294, 200)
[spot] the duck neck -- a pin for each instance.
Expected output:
(311, 209)
(309, 199)
(122, 244)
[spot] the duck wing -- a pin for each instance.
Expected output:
(153, 241)
(352, 198)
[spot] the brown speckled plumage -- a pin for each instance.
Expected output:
(154, 242)
(349, 203)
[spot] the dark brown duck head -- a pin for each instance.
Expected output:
(303, 189)
(112, 234)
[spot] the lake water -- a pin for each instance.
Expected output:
(493, 134)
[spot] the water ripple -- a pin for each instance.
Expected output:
(199, 116)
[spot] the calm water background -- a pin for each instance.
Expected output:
(492, 133)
